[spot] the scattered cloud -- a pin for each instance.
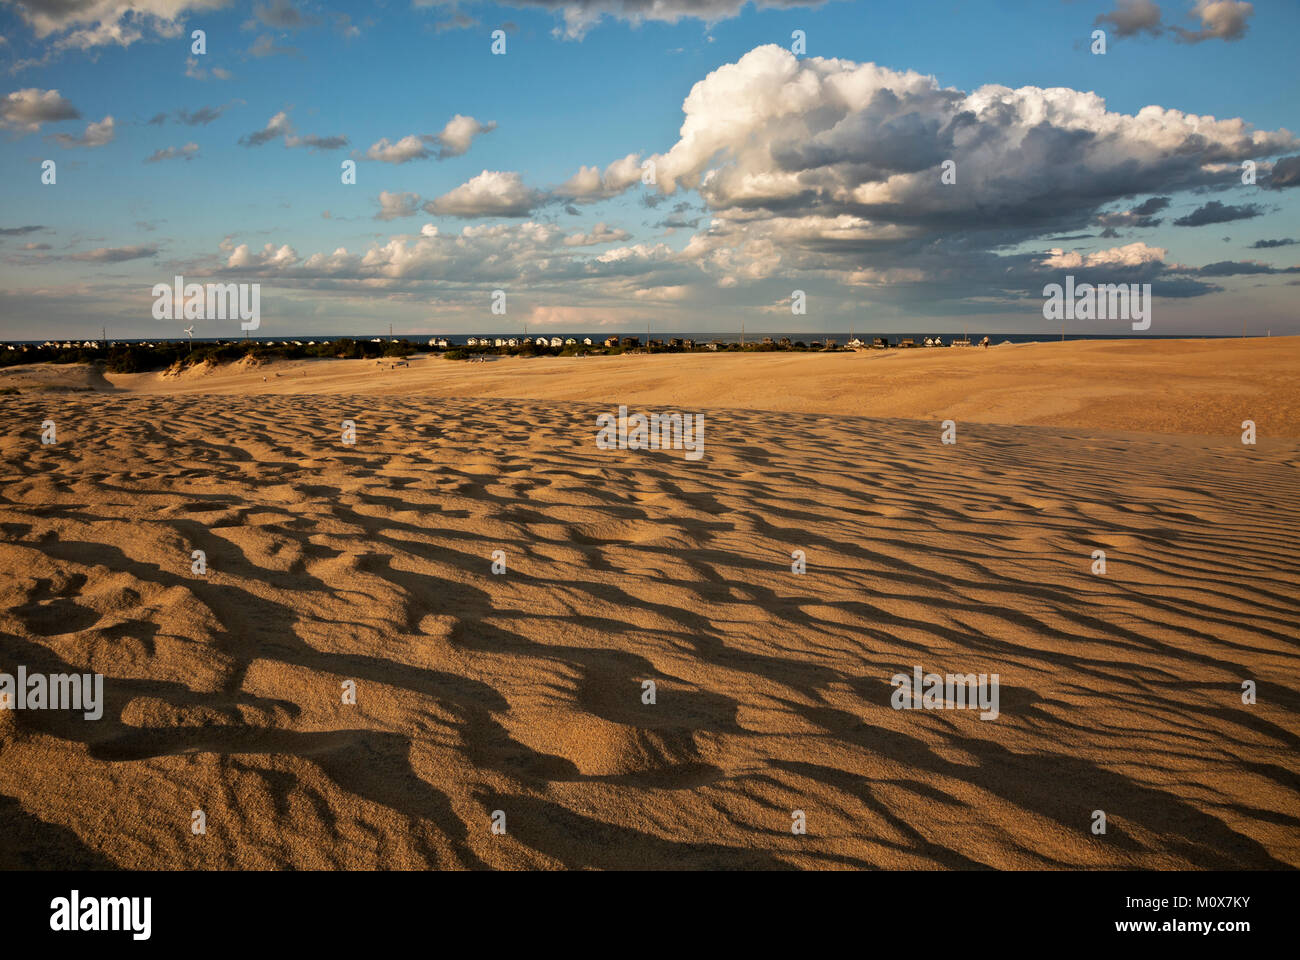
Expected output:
(453, 140)
(27, 109)
(1218, 212)
(600, 233)
(187, 152)
(491, 194)
(95, 135)
(195, 72)
(280, 126)
(1286, 173)
(115, 254)
(1219, 20)
(394, 205)
(1131, 17)
(85, 24)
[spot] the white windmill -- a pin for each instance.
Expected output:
(190, 333)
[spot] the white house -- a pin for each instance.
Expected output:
(501, 341)
(570, 342)
(512, 342)
(587, 341)
(556, 342)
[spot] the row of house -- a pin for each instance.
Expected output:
(441, 342)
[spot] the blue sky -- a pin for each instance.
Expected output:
(817, 175)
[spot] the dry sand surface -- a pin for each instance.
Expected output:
(522, 692)
(1184, 386)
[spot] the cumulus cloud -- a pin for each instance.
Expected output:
(589, 184)
(491, 194)
(1132, 255)
(186, 152)
(84, 24)
(27, 109)
(1286, 173)
(1131, 17)
(394, 205)
(833, 161)
(270, 257)
(95, 135)
(1220, 20)
(453, 140)
(1218, 212)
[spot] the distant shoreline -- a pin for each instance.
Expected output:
(178, 355)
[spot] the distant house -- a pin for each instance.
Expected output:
(376, 339)
(855, 343)
(587, 341)
(830, 343)
(570, 342)
(879, 343)
(611, 341)
(471, 342)
(688, 344)
(512, 342)
(907, 342)
(713, 344)
(784, 342)
(675, 343)
(500, 342)
(630, 342)
(556, 342)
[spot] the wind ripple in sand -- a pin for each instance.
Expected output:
(522, 692)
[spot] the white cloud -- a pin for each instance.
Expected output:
(453, 140)
(395, 205)
(1130, 255)
(600, 233)
(589, 184)
(91, 23)
(491, 194)
(96, 135)
(27, 109)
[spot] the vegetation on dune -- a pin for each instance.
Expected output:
(180, 355)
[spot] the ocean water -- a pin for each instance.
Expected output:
(840, 337)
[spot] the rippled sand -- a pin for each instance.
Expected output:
(522, 692)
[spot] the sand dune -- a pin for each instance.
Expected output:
(1160, 386)
(522, 692)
